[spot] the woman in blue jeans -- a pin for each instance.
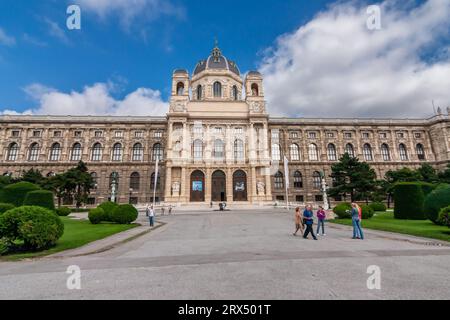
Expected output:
(356, 222)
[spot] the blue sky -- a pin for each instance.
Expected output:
(124, 49)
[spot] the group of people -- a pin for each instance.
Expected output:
(304, 222)
(150, 213)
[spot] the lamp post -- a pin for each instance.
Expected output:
(131, 192)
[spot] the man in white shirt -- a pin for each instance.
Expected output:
(151, 215)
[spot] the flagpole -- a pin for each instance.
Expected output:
(286, 173)
(155, 182)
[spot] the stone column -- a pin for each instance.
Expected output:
(228, 146)
(253, 184)
(252, 155)
(168, 185)
(208, 184)
(185, 142)
(169, 141)
(229, 185)
(268, 184)
(183, 186)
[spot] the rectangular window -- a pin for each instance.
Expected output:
(418, 135)
(294, 135)
(347, 135)
(238, 130)
(299, 199)
(15, 133)
(312, 135)
(330, 135)
(57, 134)
(280, 198)
(383, 135)
(319, 198)
(77, 134)
(158, 134)
(36, 134)
(365, 135)
(400, 135)
(275, 134)
(138, 134)
(91, 201)
(217, 130)
(98, 134)
(118, 134)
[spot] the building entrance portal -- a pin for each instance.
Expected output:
(219, 186)
(239, 186)
(197, 186)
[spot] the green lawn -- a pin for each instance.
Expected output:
(385, 221)
(77, 233)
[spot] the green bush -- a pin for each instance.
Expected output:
(409, 199)
(63, 211)
(435, 201)
(444, 217)
(5, 207)
(427, 188)
(378, 206)
(96, 215)
(108, 207)
(37, 227)
(40, 198)
(340, 210)
(16, 193)
(124, 214)
(367, 212)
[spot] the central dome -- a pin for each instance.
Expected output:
(216, 61)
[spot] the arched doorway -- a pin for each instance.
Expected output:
(219, 186)
(197, 186)
(240, 186)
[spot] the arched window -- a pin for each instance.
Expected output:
(13, 151)
(138, 152)
(96, 152)
(313, 153)
(158, 152)
(198, 149)
(279, 181)
(94, 180)
(298, 180)
(385, 152)
(76, 152)
(180, 88)
(117, 152)
(199, 92)
(34, 152)
(135, 181)
(403, 152)
(55, 152)
(295, 152)
(350, 150)
(255, 90)
(317, 180)
(331, 150)
(152, 182)
(367, 151)
(238, 149)
(219, 149)
(420, 152)
(217, 88)
(235, 93)
(276, 152)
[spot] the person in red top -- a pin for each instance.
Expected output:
(321, 216)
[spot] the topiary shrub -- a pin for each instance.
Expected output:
(341, 210)
(37, 227)
(427, 188)
(378, 206)
(108, 207)
(40, 198)
(367, 212)
(409, 199)
(16, 193)
(96, 215)
(435, 201)
(5, 207)
(444, 217)
(63, 211)
(124, 214)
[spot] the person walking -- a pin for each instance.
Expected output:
(321, 216)
(151, 215)
(170, 209)
(308, 216)
(163, 210)
(298, 221)
(356, 222)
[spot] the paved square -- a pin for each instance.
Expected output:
(240, 255)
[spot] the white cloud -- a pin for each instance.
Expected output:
(334, 66)
(5, 39)
(128, 11)
(56, 31)
(15, 113)
(96, 100)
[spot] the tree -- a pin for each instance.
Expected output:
(352, 177)
(33, 176)
(444, 176)
(428, 173)
(58, 185)
(392, 177)
(78, 183)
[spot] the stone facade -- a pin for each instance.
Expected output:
(217, 143)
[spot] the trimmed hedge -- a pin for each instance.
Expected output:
(340, 210)
(63, 211)
(427, 188)
(378, 206)
(108, 207)
(124, 214)
(444, 217)
(435, 201)
(367, 212)
(96, 215)
(37, 227)
(409, 199)
(5, 207)
(40, 198)
(16, 193)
